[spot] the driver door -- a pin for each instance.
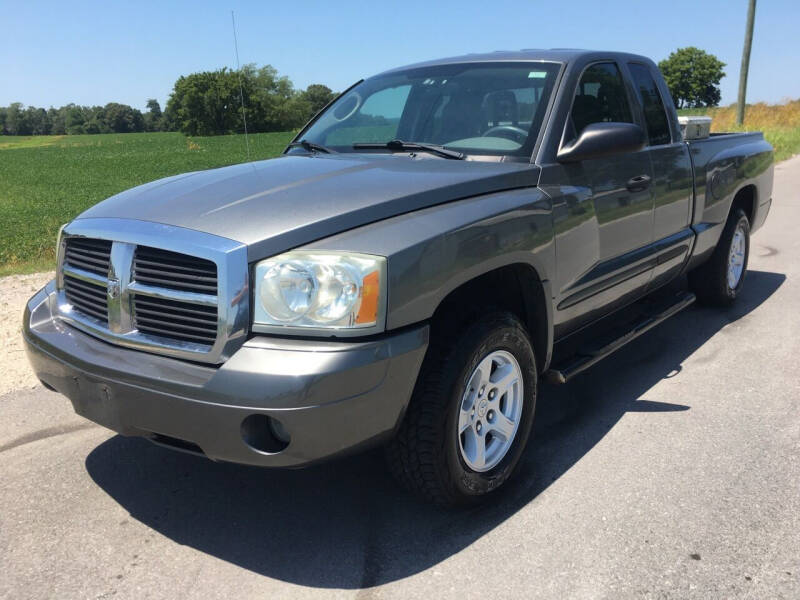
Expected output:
(600, 259)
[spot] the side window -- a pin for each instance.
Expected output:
(377, 119)
(654, 114)
(600, 97)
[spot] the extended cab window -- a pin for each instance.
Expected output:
(600, 98)
(476, 108)
(654, 114)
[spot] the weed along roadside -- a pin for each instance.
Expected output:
(779, 122)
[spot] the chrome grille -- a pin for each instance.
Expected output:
(88, 298)
(162, 268)
(176, 320)
(154, 287)
(88, 254)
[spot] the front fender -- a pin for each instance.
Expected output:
(432, 252)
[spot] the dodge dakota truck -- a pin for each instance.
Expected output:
(435, 243)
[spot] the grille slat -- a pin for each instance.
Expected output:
(86, 286)
(88, 310)
(179, 327)
(88, 254)
(176, 284)
(72, 256)
(160, 266)
(86, 298)
(167, 306)
(99, 270)
(174, 271)
(156, 272)
(154, 314)
(175, 320)
(165, 333)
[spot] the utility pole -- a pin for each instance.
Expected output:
(748, 42)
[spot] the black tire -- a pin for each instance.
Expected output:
(709, 281)
(425, 455)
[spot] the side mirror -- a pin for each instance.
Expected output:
(603, 139)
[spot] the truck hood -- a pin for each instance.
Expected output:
(274, 205)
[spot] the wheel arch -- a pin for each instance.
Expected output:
(516, 287)
(746, 198)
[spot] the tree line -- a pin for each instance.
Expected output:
(223, 101)
(205, 103)
(73, 119)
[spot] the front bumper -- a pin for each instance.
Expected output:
(331, 397)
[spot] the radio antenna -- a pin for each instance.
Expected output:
(241, 89)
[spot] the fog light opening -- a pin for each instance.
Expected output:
(265, 434)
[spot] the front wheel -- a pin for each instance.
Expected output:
(471, 413)
(720, 279)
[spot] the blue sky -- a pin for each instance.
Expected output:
(56, 52)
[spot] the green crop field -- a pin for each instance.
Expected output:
(47, 180)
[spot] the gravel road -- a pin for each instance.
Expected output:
(670, 470)
(14, 293)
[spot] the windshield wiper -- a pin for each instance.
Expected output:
(400, 145)
(312, 147)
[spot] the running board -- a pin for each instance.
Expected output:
(586, 357)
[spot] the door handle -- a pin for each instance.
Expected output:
(638, 183)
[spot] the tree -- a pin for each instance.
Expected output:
(36, 121)
(210, 102)
(74, 119)
(16, 122)
(153, 118)
(693, 77)
(317, 96)
(57, 118)
(121, 118)
(206, 103)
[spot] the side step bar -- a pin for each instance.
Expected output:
(586, 357)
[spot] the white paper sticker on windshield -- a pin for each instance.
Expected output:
(537, 74)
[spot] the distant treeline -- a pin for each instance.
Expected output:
(206, 103)
(71, 119)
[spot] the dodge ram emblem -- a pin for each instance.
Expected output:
(113, 288)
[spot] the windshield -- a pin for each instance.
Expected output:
(478, 108)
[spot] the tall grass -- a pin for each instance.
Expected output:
(779, 122)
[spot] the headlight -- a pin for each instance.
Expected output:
(322, 291)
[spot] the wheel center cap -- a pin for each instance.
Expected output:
(482, 408)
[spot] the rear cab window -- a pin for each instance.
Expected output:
(655, 115)
(599, 98)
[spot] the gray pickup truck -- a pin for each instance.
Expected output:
(434, 242)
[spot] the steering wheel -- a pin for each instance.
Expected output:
(509, 132)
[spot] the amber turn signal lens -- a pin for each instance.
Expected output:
(368, 311)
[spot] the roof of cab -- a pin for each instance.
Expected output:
(560, 55)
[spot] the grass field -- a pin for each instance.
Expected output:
(46, 180)
(779, 122)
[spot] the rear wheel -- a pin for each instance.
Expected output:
(471, 412)
(719, 280)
